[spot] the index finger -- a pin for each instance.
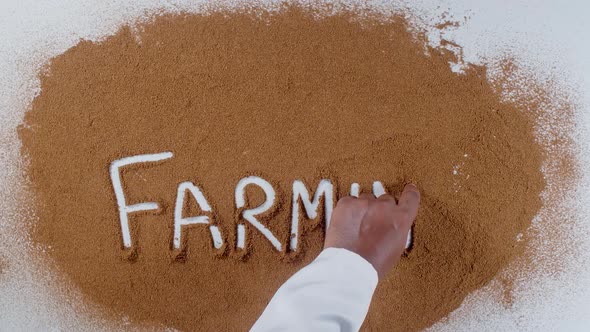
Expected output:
(410, 199)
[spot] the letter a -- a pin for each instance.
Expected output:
(179, 221)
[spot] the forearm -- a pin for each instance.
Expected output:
(333, 293)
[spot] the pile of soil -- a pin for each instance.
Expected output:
(286, 95)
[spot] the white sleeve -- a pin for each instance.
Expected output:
(332, 293)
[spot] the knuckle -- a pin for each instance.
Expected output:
(363, 203)
(346, 200)
(385, 204)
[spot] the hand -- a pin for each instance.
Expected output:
(374, 228)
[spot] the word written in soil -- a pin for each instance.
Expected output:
(325, 189)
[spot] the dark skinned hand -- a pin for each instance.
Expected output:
(374, 228)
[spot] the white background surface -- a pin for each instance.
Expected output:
(550, 36)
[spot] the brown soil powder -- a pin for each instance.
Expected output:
(286, 95)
